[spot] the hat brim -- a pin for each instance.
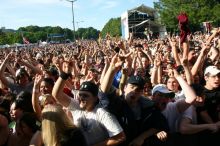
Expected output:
(169, 95)
(137, 84)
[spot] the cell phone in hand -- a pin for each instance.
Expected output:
(180, 69)
(117, 49)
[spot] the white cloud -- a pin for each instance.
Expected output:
(110, 4)
(20, 3)
(36, 1)
(95, 3)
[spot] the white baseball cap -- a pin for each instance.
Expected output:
(160, 88)
(212, 70)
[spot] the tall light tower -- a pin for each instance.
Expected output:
(72, 1)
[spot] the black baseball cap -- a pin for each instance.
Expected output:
(136, 80)
(90, 87)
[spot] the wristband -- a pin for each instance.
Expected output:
(64, 75)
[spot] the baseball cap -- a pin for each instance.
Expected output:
(213, 70)
(161, 88)
(90, 87)
(21, 72)
(136, 80)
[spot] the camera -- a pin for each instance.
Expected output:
(180, 69)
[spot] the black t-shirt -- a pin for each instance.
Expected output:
(212, 103)
(150, 116)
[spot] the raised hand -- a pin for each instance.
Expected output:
(172, 42)
(67, 67)
(116, 62)
(38, 79)
(184, 62)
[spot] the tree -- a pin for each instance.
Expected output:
(198, 11)
(113, 27)
(87, 33)
(3, 38)
(36, 33)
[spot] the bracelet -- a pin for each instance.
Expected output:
(64, 75)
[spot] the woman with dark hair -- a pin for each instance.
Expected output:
(7, 139)
(18, 107)
(26, 127)
(41, 95)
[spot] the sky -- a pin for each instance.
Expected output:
(87, 13)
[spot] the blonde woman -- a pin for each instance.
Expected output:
(57, 129)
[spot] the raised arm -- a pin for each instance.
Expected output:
(188, 74)
(215, 32)
(115, 65)
(154, 75)
(35, 96)
(200, 59)
(188, 92)
(3, 67)
(35, 69)
(174, 51)
(105, 69)
(57, 91)
(148, 54)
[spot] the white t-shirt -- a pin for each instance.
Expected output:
(97, 125)
(179, 95)
(189, 113)
(172, 115)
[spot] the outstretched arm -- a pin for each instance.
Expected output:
(186, 127)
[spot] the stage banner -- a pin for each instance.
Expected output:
(124, 26)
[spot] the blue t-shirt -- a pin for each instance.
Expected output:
(117, 79)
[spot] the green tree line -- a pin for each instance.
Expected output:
(36, 33)
(112, 27)
(198, 11)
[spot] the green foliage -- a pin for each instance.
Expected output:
(112, 27)
(87, 33)
(36, 33)
(198, 11)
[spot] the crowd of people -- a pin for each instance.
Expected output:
(135, 92)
